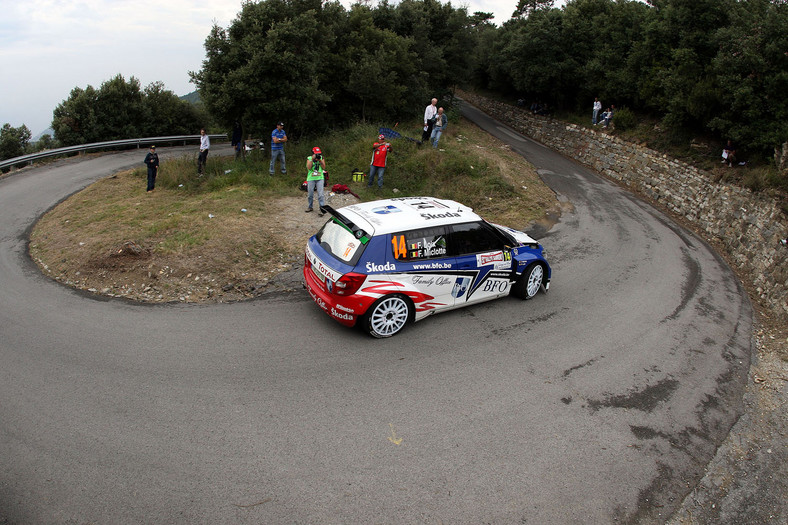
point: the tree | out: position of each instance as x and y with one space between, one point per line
526 7
45 142
119 109
13 141
264 67
74 119
751 76
166 114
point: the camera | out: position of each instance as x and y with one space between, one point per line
316 157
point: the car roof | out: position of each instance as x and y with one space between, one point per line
406 213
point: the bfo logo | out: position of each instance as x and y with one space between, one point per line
495 286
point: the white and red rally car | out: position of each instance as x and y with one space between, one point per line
385 263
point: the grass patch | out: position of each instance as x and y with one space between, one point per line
226 234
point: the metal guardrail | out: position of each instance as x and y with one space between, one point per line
100 145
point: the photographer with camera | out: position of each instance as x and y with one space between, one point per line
315 179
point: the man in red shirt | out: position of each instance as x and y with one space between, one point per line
380 150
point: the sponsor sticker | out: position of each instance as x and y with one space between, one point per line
460 287
383 210
376 268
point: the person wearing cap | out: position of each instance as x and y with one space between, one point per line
152 161
315 178
380 150
440 124
278 139
205 145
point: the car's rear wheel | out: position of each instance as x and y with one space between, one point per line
527 286
388 316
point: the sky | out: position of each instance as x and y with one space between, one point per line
49 47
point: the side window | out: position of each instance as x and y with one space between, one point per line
474 237
416 245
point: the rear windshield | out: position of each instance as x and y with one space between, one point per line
337 240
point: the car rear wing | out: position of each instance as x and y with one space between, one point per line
357 232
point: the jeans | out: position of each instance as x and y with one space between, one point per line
595 118
311 186
277 153
151 178
435 137
375 170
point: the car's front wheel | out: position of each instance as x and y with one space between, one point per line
388 316
527 286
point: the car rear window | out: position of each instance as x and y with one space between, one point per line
336 239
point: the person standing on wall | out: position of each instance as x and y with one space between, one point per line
205 145
152 161
380 150
429 119
278 139
315 179
597 109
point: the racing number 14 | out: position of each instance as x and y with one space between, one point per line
400 248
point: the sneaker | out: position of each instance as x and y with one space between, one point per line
308 210
784 242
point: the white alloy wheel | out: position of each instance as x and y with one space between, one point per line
527 286
388 316
535 276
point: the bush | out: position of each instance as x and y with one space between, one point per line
624 119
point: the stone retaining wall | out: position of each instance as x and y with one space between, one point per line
748 226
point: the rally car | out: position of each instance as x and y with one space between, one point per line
385 263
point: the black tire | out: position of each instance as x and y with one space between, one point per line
529 283
388 316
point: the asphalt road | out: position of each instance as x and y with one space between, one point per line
599 402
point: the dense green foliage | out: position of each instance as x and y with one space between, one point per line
315 65
701 66
13 141
712 67
120 110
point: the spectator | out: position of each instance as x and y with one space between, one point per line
202 158
237 141
152 161
729 154
278 139
429 119
607 116
315 179
440 125
597 109
381 150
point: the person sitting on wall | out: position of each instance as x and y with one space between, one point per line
729 154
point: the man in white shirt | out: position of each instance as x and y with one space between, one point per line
205 145
597 109
429 119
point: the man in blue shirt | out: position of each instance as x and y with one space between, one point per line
278 139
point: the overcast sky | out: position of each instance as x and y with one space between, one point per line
49 47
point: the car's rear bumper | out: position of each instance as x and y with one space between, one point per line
342 310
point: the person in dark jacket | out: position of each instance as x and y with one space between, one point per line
237 140
152 161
